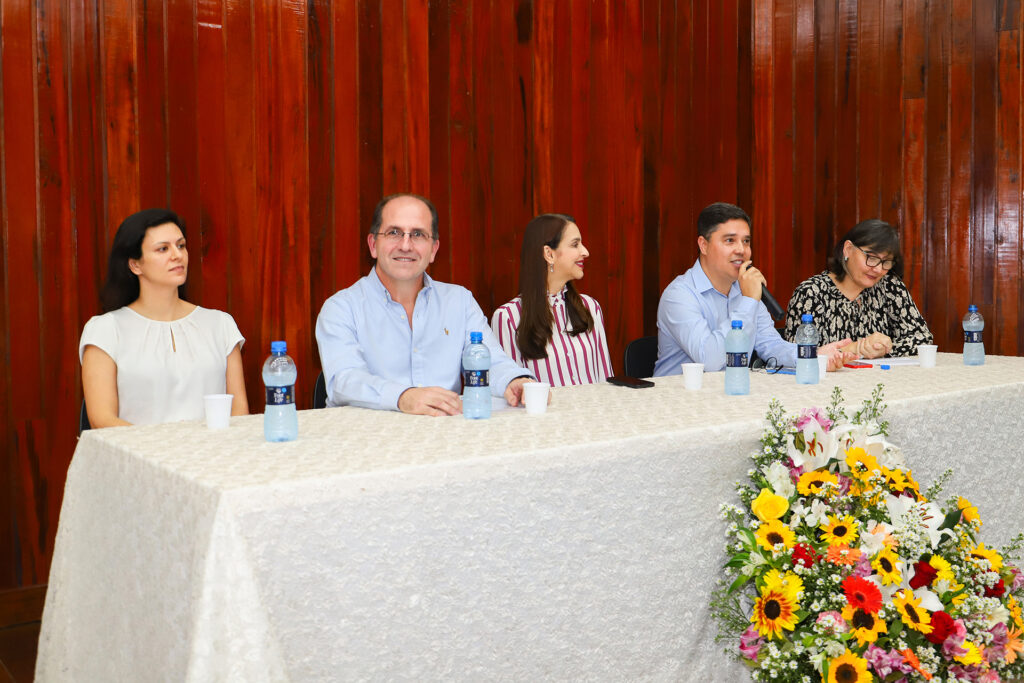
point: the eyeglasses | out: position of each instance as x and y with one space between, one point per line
397 235
870 260
769 365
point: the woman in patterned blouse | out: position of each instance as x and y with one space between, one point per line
862 296
550 328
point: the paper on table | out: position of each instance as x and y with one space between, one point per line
905 360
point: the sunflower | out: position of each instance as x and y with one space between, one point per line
848 668
911 612
861 463
768 535
862 594
840 531
811 483
774 611
943 567
788 583
969 513
983 553
887 564
865 626
894 479
910 484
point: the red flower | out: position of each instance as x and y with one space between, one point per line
942 628
924 574
996 591
804 554
862 594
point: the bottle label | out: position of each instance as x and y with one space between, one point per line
280 396
475 378
736 360
806 351
972 336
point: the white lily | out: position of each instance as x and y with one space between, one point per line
819 447
778 477
916 516
929 601
872 542
997 615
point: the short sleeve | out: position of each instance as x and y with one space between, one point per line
230 334
101 332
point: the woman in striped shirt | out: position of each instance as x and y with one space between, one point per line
550 328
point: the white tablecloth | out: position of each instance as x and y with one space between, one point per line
581 544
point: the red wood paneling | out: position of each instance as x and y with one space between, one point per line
274 128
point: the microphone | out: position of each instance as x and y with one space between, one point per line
774 309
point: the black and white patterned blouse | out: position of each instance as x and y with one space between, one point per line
886 307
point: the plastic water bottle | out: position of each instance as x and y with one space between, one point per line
737 370
974 348
476 386
280 421
807 351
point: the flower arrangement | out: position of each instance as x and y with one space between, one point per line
842 570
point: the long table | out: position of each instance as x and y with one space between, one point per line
581 544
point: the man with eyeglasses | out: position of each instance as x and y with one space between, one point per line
697 308
394 339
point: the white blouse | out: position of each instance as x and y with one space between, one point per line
580 359
164 368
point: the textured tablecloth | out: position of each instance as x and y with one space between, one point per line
582 544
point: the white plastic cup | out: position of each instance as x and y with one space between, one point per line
693 375
535 397
218 410
926 354
822 365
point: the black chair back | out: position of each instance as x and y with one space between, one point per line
640 356
320 392
83 420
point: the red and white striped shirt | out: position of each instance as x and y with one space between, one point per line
582 359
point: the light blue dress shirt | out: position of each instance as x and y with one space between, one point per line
370 355
694 317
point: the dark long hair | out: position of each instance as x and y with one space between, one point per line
534 331
871 235
122 285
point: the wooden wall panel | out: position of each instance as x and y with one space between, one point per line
274 128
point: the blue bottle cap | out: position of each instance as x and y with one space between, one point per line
476 337
806 318
737 324
972 308
884 367
278 347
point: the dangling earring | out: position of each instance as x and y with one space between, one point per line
845 259
551 267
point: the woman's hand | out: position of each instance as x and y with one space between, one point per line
875 345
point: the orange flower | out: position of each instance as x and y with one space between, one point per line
910 658
843 554
1014 644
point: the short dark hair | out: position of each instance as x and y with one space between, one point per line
871 235
379 211
122 285
715 214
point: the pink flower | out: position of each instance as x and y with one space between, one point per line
884 662
952 646
996 650
750 643
832 622
863 567
809 414
1018 578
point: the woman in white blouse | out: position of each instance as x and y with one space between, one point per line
550 328
152 356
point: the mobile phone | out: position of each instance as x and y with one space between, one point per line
855 365
631 382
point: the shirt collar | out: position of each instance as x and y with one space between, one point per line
379 287
557 296
702 283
